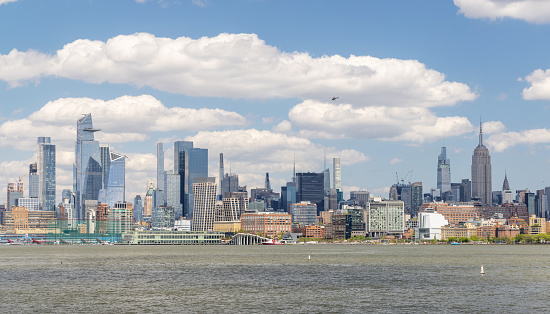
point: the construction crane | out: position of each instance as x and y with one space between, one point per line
402 179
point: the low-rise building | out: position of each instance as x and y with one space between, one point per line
266 223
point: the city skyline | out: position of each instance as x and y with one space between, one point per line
261 113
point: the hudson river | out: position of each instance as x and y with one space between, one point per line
263 279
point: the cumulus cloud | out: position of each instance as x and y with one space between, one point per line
237 66
332 121
501 141
540 85
251 151
533 11
124 119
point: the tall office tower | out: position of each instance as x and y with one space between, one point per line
160 166
466 190
46 173
148 202
337 173
530 202
416 197
116 183
326 189
15 192
221 174
267 183
189 163
105 155
204 191
290 195
547 193
230 183
455 189
310 187
87 170
443 171
33 180
481 173
172 191
507 195
540 204
138 208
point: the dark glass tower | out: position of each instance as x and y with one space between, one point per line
189 163
310 187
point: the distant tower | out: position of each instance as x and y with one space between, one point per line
337 173
33 180
46 173
443 171
220 185
116 183
160 166
481 172
267 183
505 185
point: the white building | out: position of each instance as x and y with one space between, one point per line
429 225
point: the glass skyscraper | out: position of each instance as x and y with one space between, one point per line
87 170
443 171
116 180
310 187
46 173
189 163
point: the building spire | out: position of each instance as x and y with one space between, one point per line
505 185
480 133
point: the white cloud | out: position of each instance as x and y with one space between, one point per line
331 121
396 161
540 85
123 119
199 3
237 66
491 127
249 152
534 11
6 1
501 141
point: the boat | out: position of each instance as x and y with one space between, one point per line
273 242
455 243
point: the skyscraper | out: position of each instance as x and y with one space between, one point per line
189 163
310 187
443 171
481 173
46 173
230 183
33 180
337 173
116 183
160 166
204 191
416 197
87 170
220 178
15 192
172 191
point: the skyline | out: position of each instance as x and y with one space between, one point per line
259 90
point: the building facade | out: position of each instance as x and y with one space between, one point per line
204 190
46 173
481 173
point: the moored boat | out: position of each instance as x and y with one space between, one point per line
273 242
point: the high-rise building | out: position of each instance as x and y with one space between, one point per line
204 191
46 173
148 201
481 173
505 184
466 190
362 197
310 187
172 192
160 166
230 183
304 213
138 208
416 197
384 218
443 171
105 156
33 180
267 182
15 192
221 178
189 163
87 170
116 182
540 204
337 173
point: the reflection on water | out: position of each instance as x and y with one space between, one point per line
338 278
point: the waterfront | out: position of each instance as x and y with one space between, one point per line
252 279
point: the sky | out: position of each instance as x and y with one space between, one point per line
255 80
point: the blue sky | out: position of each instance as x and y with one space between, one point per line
254 80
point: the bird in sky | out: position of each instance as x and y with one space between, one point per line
334 98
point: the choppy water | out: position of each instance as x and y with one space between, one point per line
261 279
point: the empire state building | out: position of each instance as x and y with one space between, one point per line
481 173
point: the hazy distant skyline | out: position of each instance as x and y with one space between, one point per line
254 80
